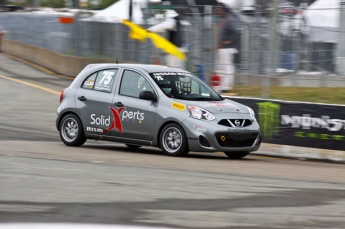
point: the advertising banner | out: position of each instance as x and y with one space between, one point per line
299 124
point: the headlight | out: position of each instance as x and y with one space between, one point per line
199 113
252 114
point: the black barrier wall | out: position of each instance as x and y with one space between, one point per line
299 124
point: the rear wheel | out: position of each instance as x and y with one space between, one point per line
71 131
132 146
173 140
236 155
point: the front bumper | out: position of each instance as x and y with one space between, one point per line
210 136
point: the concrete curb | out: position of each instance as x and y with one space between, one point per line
302 153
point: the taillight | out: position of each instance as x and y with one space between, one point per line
61 95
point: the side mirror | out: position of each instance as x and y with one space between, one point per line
147 95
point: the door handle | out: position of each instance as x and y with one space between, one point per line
82 98
118 104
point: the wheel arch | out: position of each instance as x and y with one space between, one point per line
67 113
162 127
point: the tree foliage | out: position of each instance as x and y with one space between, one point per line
106 3
53 3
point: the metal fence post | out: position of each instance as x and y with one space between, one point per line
273 51
197 42
76 37
341 40
207 53
244 63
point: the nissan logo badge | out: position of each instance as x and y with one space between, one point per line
237 123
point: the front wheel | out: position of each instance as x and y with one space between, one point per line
236 155
173 140
71 131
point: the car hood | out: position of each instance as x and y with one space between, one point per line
216 107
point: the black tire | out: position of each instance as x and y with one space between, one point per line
236 155
71 131
173 140
132 146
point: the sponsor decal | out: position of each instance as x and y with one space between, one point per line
94 129
102 121
117 120
269 118
132 116
89 83
171 74
215 104
238 129
335 137
151 107
307 122
199 128
160 75
178 106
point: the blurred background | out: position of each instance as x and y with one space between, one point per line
297 43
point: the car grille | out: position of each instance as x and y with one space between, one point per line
235 122
236 139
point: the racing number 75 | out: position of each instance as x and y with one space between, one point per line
107 76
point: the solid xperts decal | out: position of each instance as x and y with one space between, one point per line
116 120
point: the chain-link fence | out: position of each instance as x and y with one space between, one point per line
271 46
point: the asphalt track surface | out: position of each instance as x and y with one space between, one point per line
42 180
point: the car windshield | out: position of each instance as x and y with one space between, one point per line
184 85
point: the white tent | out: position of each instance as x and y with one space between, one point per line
323 17
323 13
120 10
239 5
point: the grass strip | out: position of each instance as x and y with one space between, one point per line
304 94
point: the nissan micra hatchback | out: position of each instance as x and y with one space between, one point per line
151 105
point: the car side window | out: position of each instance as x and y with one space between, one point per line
101 81
133 83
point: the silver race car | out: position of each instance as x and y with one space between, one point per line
151 105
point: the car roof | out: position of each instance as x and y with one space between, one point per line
146 67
